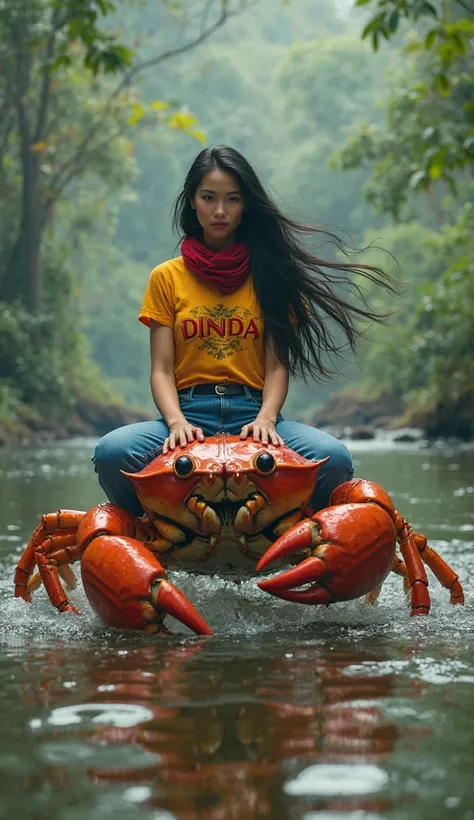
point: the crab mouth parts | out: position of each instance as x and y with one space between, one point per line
228 511
242 516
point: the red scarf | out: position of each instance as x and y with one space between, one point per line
226 270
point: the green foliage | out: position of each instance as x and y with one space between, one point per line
430 130
428 354
418 161
447 35
10 404
427 139
31 360
285 84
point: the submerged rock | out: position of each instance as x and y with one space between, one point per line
362 433
351 408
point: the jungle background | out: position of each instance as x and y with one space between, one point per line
358 116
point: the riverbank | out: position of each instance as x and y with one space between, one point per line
351 413
348 414
88 418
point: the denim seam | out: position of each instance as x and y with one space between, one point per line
150 455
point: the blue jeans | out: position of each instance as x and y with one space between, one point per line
132 447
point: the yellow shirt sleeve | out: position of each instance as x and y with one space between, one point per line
159 300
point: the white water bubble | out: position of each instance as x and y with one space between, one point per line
137 794
122 715
330 780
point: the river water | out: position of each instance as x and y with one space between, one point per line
288 712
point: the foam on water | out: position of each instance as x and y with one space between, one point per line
243 609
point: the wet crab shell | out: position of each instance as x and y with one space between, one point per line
226 473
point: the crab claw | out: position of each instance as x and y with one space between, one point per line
345 551
302 536
174 603
311 569
127 587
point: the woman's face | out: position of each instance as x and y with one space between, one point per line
219 206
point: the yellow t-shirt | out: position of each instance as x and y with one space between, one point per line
218 337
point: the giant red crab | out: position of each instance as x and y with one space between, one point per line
227 505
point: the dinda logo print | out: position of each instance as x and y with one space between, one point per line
221 329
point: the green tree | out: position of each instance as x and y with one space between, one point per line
41 42
430 120
425 151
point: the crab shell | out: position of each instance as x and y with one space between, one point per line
224 500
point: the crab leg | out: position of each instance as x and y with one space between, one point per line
442 571
61 550
420 597
53 585
399 568
62 522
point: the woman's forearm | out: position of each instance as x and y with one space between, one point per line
165 396
274 392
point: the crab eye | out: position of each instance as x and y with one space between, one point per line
265 463
183 467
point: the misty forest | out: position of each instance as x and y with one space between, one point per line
358 117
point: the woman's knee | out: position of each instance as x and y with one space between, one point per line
110 450
127 448
315 444
340 461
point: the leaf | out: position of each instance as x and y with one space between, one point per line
442 84
459 42
373 25
198 135
430 39
363 2
159 105
393 21
428 8
416 178
138 112
182 120
428 132
38 147
61 60
435 171
466 26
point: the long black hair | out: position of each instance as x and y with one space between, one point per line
297 292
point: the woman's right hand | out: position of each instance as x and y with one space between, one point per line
181 433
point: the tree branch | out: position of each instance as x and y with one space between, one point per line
46 84
466 7
226 14
78 167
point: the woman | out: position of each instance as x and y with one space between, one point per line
243 308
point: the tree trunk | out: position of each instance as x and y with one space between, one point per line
29 266
22 277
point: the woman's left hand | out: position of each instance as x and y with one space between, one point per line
263 430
